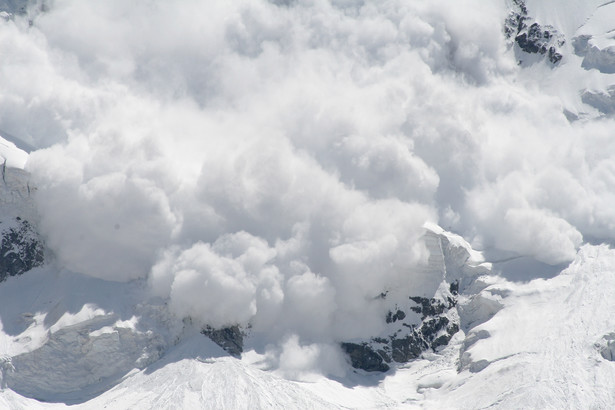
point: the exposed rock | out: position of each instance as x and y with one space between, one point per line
408 348
393 317
362 356
417 324
21 248
228 338
531 37
410 340
454 288
427 307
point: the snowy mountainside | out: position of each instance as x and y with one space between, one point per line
257 211
559 362
21 247
565 322
583 31
82 340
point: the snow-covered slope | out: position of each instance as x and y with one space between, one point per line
242 214
545 343
11 156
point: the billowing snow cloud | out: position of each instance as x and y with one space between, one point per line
274 162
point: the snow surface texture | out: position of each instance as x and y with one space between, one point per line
272 165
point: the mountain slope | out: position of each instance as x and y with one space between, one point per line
241 212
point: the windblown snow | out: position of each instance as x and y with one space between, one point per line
293 171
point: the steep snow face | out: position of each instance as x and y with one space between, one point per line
541 343
67 337
568 16
11 156
545 348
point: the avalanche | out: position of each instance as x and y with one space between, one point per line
292 204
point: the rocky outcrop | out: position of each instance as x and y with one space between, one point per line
530 36
418 324
21 248
229 338
437 324
362 356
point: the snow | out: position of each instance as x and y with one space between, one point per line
11 156
537 343
158 223
600 26
85 343
541 350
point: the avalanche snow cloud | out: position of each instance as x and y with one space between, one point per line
274 162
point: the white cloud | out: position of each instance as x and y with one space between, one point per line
274 164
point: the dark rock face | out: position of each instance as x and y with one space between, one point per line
530 36
393 317
21 249
228 338
363 357
410 340
427 307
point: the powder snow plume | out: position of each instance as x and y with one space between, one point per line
274 163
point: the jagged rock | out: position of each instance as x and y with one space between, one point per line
531 37
428 307
454 288
417 324
21 249
228 338
411 340
408 348
393 317
363 357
